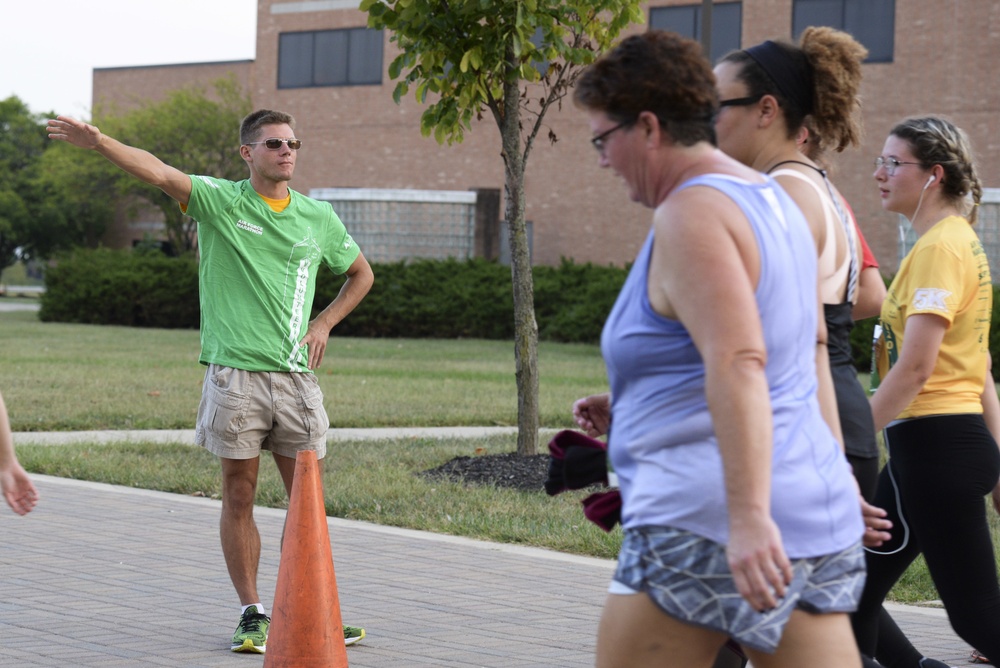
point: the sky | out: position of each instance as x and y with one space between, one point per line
49 49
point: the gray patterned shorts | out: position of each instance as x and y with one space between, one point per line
688 577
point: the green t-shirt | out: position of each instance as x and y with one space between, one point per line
257 274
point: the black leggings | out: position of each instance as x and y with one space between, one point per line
894 649
939 470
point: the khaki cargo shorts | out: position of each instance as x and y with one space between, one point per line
244 412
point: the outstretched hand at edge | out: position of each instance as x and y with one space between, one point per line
72 131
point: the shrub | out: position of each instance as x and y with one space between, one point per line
573 300
121 287
473 298
428 298
443 299
861 343
410 299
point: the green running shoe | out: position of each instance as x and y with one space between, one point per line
352 634
251 634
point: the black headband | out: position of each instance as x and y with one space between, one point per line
793 79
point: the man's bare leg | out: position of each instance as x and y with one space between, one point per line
237 529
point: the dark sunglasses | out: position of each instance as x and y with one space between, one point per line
275 144
740 101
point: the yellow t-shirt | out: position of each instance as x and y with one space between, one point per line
277 205
947 274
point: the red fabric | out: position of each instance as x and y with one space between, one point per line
604 509
867 257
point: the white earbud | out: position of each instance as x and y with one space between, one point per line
929 182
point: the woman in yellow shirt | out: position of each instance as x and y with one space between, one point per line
933 382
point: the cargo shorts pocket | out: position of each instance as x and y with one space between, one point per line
314 416
224 410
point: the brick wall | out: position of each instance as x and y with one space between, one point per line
355 136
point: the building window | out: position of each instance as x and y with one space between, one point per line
727 20
871 22
351 57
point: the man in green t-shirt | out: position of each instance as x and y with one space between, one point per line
261 245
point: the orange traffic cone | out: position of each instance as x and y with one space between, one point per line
306 627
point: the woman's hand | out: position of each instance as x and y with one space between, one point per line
593 414
876 526
760 567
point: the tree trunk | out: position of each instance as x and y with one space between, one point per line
706 28
525 326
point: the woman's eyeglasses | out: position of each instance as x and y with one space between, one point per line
891 164
599 140
274 144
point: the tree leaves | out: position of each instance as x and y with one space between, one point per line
466 56
462 47
191 129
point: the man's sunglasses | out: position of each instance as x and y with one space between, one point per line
275 144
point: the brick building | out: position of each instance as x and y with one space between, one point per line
316 60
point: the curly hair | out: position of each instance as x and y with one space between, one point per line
250 126
836 59
937 141
829 63
659 72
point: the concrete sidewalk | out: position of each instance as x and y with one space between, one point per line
101 575
187 435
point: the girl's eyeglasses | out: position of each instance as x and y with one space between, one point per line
891 164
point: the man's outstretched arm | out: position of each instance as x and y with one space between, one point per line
141 164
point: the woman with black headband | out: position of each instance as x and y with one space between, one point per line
767 93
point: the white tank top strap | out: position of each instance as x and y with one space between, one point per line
832 275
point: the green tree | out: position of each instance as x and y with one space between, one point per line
22 143
470 56
191 131
49 201
75 196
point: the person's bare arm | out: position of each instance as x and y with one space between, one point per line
921 343
699 275
16 486
359 281
871 294
141 164
826 393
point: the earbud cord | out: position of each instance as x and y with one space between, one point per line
919 203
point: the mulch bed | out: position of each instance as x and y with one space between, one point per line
508 470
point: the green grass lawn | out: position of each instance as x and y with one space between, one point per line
81 377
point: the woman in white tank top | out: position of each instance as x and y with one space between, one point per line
767 93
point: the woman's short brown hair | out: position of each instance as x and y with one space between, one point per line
659 72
